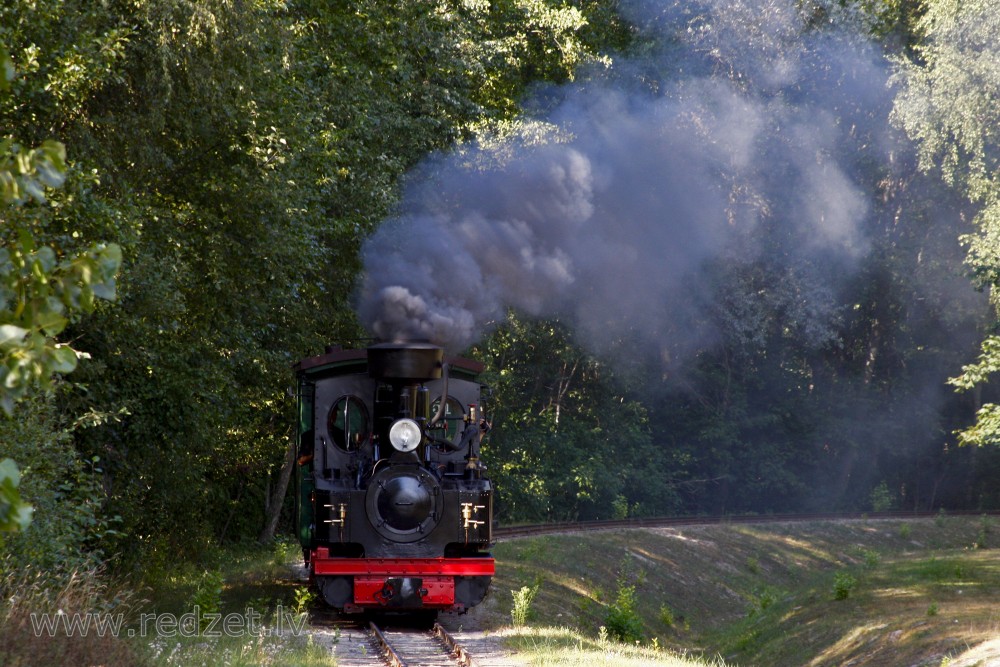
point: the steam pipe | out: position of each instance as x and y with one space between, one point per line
444 397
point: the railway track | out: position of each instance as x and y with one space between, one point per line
408 647
503 532
399 643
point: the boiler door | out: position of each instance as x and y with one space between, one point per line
403 503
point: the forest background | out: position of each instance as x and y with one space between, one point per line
189 186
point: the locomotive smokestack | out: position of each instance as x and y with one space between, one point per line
405 362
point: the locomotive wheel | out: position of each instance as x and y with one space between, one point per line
403 503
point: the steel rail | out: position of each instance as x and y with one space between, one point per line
526 530
458 651
390 654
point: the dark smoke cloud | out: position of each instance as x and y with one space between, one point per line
740 141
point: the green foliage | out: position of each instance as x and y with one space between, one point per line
25 173
843 584
38 294
69 522
207 597
985 528
882 500
666 616
622 618
760 599
871 558
904 530
14 514
520 613
238 154
305 598
568 442
946 103
28 593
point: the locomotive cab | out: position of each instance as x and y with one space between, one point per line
394 509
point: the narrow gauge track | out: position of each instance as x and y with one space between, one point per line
404 642
405 647
502 532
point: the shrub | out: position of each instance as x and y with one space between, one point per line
762 598
985 525
666 616
843 584
881 498
622 620
69 521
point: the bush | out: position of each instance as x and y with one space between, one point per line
69 520
622 620
760 599
843 584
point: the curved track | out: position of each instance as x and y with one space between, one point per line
504 532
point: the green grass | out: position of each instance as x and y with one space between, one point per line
259 651
235 583
796 594
822 593
557 647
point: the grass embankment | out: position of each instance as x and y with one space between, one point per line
240 592
887 592
917 592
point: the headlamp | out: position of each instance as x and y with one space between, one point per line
405 435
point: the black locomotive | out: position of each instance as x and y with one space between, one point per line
394 508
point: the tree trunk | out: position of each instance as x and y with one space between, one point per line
277 499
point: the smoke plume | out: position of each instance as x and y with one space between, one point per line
740 140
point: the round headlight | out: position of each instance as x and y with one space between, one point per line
405 435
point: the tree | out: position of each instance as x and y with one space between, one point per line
947 104
39 293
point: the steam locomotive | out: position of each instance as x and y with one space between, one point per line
394 509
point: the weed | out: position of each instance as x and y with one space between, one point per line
843 584
985 526
304 598
521 611
871 558
905 530
207 598
666 616
939 520
35 594
932 610
622 620
753 564
760 599
940 569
